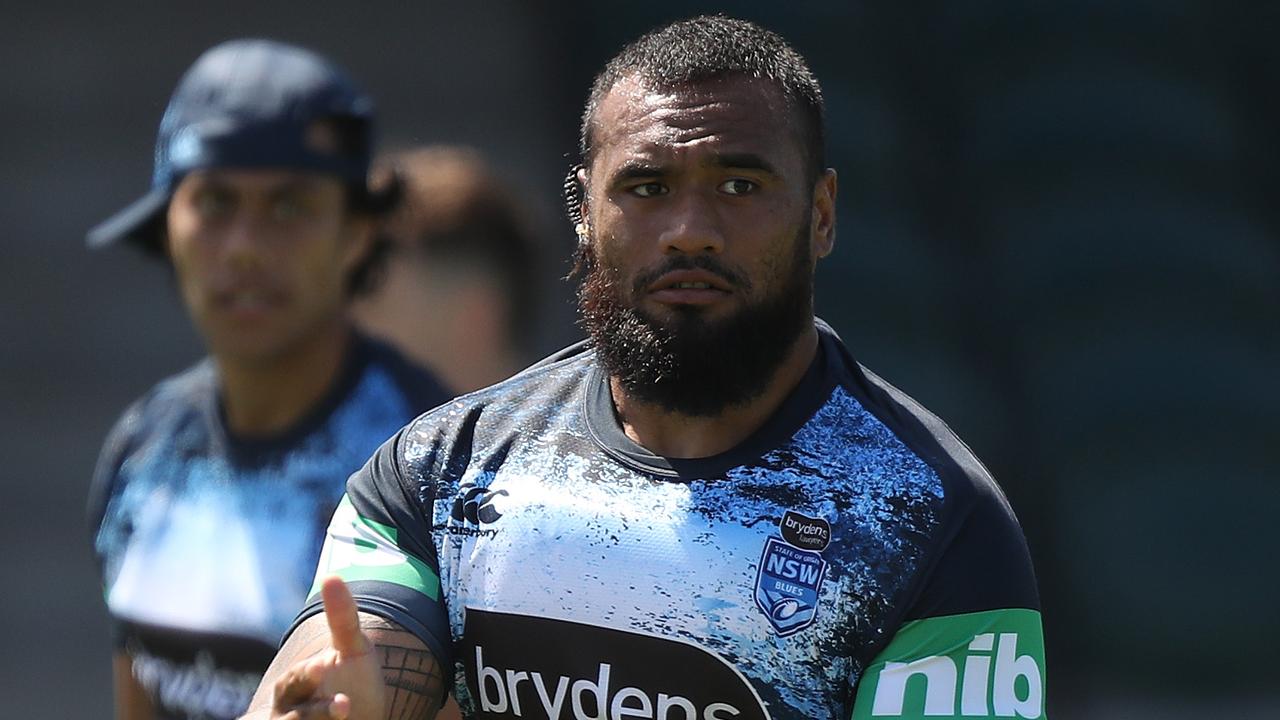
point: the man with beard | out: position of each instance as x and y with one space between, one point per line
709 510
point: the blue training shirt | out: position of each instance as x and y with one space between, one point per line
207 542
850 559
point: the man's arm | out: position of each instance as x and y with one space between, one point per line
350 665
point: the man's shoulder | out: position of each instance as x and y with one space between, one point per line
978 534
922 431
167 408
932 437
175 396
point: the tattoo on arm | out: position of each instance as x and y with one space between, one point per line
412 674
414 680
310 638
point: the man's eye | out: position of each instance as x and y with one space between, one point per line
649 190
213 203
737 186
286 209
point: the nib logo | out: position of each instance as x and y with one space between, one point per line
475 504
985 664
976 687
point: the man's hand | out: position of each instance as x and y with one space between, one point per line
350 666
343 682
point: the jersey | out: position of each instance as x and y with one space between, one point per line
207 541
850 559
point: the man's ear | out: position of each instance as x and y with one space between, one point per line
823 220
583 227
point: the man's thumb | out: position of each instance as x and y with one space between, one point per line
344 622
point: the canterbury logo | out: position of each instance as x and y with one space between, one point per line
475 504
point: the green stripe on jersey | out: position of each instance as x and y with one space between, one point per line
977 665
357 548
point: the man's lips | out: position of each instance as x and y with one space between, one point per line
689 287
247 299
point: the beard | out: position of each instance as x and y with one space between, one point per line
690 364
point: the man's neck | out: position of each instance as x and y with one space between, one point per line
263 397
675 435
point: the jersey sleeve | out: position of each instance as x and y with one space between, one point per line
379 542
115 449
971 645
106 474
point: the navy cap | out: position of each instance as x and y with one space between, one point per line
251 104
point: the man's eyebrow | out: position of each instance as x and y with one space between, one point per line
634 170
744 161
300 184
641 169
214 180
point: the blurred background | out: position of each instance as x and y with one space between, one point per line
1055 230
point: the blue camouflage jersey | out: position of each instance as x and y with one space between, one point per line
851 559
207 542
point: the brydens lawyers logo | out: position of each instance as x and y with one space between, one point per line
791 571
534 668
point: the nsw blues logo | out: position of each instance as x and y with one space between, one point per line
790 574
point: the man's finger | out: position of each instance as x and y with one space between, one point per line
298 684
344 622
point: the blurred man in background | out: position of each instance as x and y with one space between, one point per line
212 491
459 293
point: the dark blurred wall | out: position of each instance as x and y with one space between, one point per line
1057 229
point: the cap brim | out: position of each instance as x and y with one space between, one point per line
136 222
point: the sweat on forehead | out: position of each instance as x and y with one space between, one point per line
637 115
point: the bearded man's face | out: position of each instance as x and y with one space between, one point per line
688 360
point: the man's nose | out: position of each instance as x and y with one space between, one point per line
693 226
245 237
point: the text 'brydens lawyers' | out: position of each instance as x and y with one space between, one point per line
587 698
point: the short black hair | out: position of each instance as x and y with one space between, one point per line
710 47
376 198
